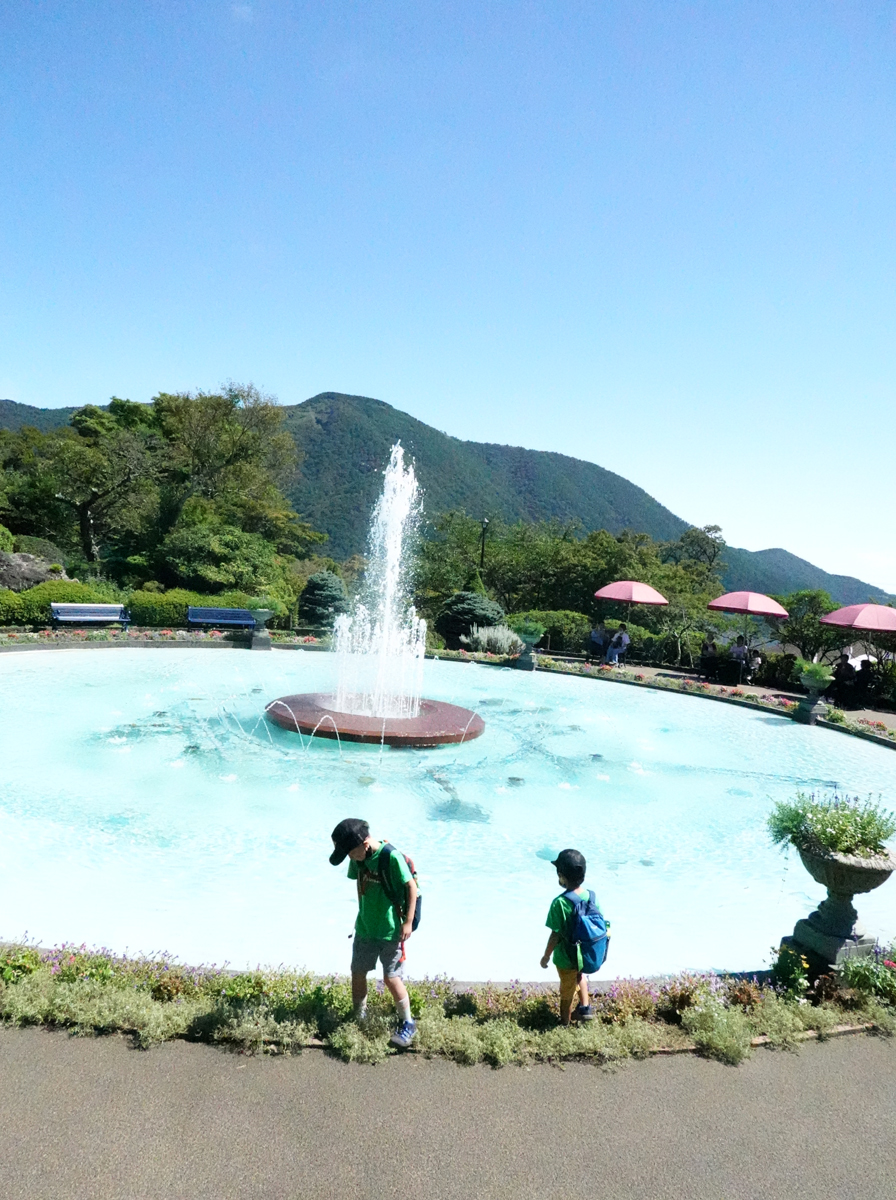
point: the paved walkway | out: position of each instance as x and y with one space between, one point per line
95 1120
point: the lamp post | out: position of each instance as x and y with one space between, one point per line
482 543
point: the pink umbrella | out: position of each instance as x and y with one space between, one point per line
752 604
875 618
630 592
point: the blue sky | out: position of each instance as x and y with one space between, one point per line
659 236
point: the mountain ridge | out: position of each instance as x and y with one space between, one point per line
345 442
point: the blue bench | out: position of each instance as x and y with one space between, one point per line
235 618
89 614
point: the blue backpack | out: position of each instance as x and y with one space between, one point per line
586 930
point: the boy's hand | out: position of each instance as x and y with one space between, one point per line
545 960
407 930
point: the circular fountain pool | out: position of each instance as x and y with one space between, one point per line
145 803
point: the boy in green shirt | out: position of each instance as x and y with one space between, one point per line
570 866
382 928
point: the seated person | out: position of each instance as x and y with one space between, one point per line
598 641
753 663
709 658
739 650
618 645
842 685
866 680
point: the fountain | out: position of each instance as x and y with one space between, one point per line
380 646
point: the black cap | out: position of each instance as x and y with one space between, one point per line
346 836
571 864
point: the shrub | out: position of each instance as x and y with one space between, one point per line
873 976
567 630
323 599
10 607
462 611
718 1032
837 824
18 961
40 548
34 603
162 609
790 971
777 671
6 540
492 639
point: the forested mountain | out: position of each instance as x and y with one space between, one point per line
15 416
345 441
344 444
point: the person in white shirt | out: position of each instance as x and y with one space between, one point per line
618 645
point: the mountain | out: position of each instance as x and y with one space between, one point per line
346 440
15 416
779 571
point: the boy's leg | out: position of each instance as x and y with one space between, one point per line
363 962
584 995
392 958
359 992
569 984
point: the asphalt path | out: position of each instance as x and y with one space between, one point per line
96 1119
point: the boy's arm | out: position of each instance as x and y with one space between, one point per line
406 929
549 949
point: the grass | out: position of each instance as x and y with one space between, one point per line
92 992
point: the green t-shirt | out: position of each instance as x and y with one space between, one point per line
377 918
558 919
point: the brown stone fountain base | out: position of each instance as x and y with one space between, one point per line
436 725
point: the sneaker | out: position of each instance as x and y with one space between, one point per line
583 1012
404 1034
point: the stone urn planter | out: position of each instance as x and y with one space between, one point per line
833 933
527 660
812 707
261 639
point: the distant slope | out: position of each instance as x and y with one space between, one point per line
779 571
15 416
346 442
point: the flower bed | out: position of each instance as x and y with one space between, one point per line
280 1012
25 637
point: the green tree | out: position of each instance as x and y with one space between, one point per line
462 611
322 600
804 630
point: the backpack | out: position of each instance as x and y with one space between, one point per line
586 930
386 852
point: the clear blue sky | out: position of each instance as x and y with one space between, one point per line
659 236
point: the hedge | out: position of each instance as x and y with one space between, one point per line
567 630
163 609
32 607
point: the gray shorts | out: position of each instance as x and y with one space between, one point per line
366 951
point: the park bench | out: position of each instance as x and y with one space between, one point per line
234 618
89 614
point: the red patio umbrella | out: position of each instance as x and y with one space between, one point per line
629 591
752 604
871 618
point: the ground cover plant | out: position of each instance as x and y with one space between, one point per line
152 1000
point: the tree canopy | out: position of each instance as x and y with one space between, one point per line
186 490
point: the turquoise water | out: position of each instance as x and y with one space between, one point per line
146 804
